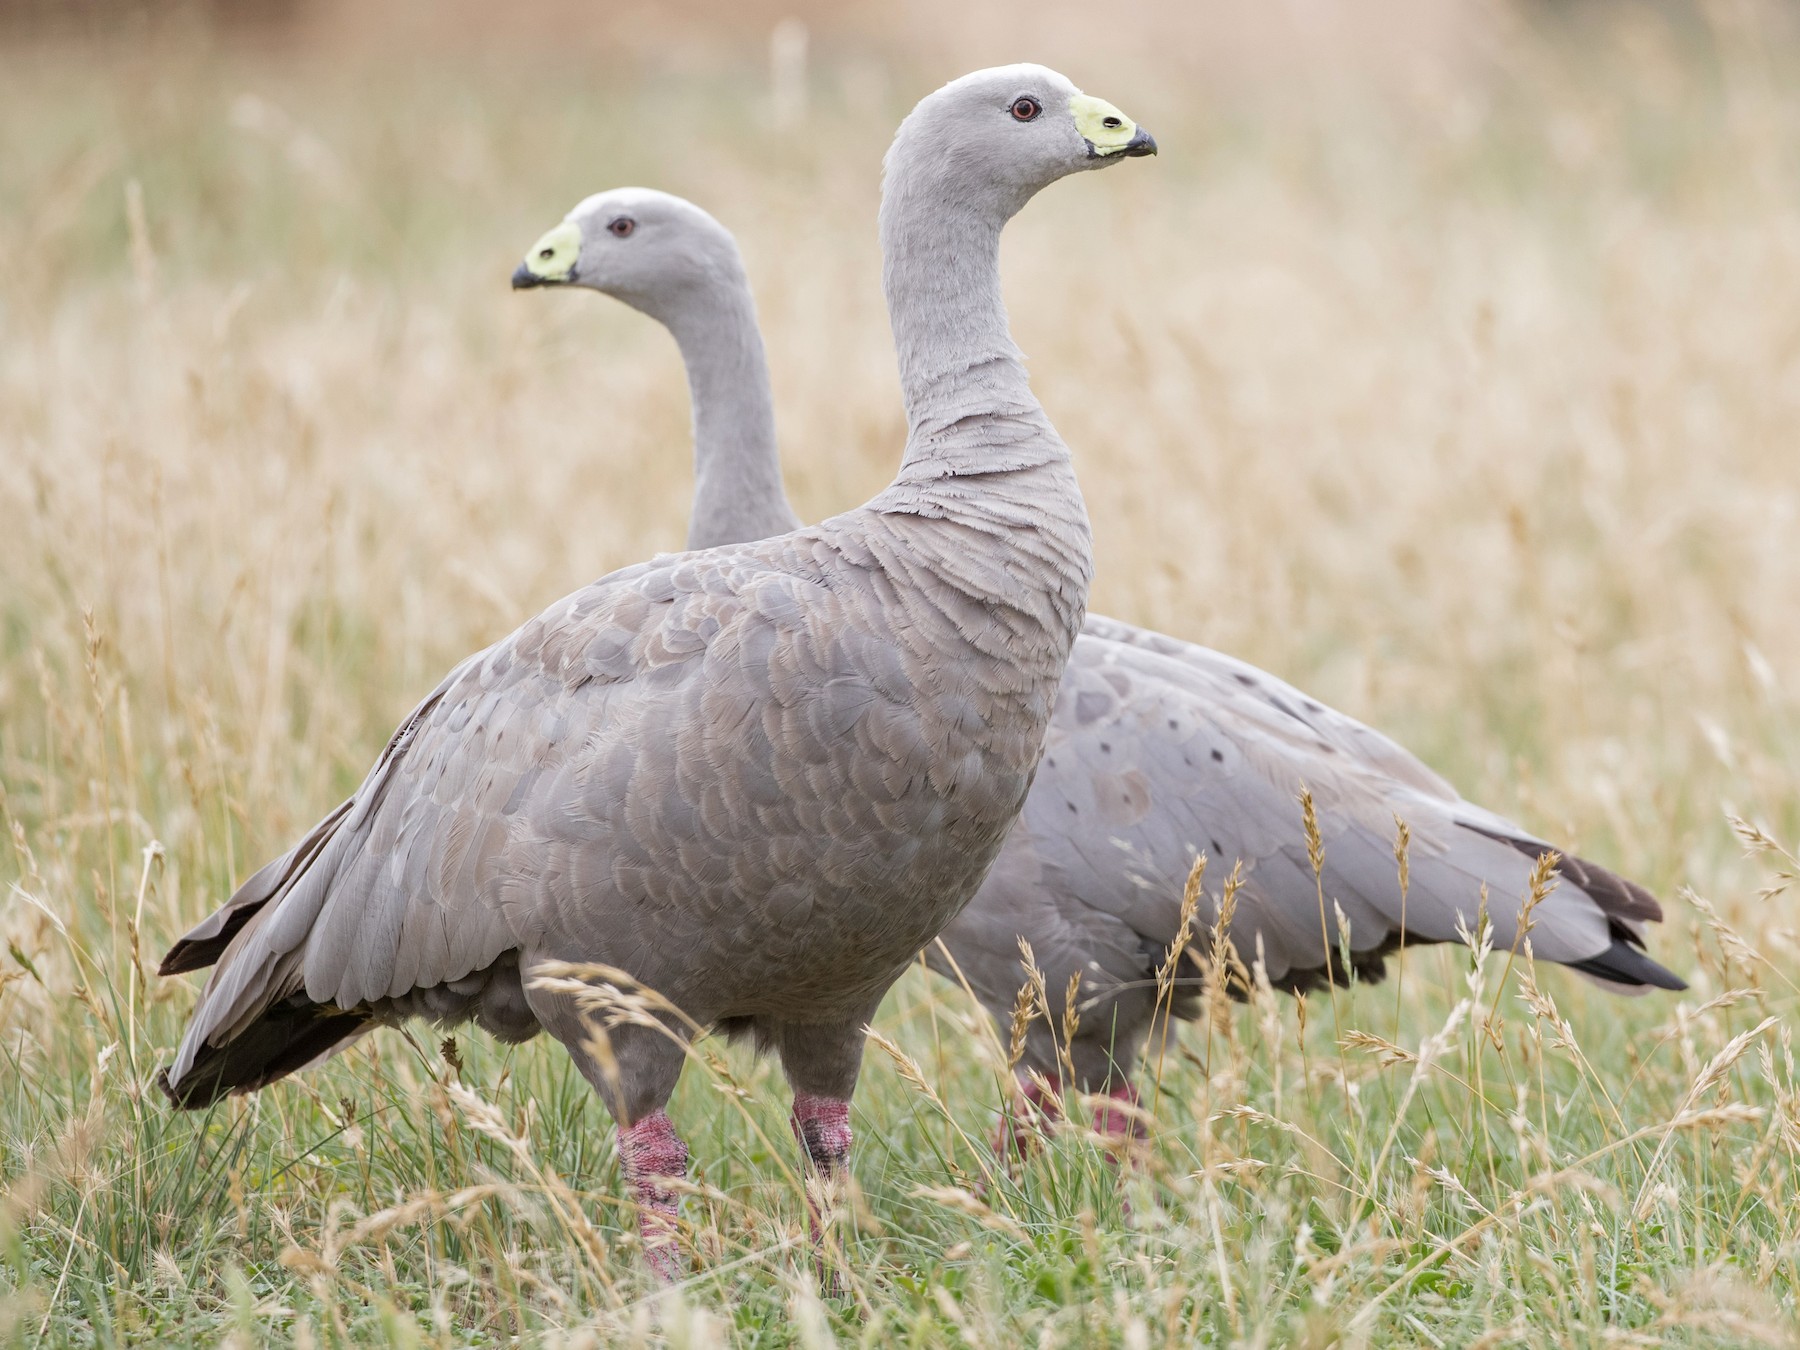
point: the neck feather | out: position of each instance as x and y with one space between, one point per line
980 453
738 494
961 374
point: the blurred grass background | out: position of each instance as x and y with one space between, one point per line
1446 362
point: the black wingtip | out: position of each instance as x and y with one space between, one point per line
183 957
287 1037
1623 963
206 944
187 1097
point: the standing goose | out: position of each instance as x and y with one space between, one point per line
1158 749
759 778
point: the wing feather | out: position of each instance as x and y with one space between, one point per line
1161 750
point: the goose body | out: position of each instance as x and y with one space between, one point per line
715 771
757 778
1158 750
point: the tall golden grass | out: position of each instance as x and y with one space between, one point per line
1446 363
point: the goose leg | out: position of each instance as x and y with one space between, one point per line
1038 1106
1026 1119
652 1155
634 1070
1117 1119
822 1125
822 1063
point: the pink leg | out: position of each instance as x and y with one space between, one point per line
1024 1121
1038 1107
822 1125
1120 1123
652 1154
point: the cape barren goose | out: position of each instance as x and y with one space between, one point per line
1158 749
759 778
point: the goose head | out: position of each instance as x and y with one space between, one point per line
646 248
986 143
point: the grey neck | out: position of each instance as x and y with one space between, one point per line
738 494
961 374
980 453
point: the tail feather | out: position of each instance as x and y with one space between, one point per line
1626 905
253 1023
1624 963
288 1036
1617 896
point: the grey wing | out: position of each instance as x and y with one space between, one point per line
408 885
203 944
1160 751
1028 895
1213 669
1362 781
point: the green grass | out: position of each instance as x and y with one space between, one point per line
1468 401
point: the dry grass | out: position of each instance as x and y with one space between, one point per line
1463 390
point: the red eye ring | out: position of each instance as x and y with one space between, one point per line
623 226
1026 109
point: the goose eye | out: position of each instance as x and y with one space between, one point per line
1026 109
623 226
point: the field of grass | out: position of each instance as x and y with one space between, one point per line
1462 390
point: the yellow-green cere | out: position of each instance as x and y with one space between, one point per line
1106 128
553 257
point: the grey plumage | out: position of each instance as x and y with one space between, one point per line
1158 750
758 778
